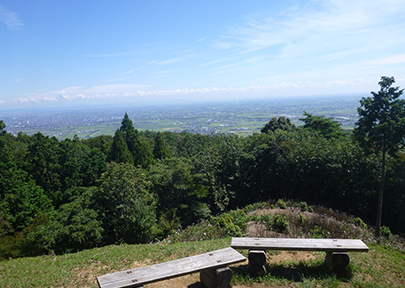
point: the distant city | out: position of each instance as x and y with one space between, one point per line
241 117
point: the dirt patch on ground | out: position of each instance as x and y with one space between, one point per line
291 256
254 230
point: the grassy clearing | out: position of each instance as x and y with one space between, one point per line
383 266
81 269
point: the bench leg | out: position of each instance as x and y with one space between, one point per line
217 278
339 262
257 260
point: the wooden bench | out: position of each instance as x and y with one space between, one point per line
336 251
213 268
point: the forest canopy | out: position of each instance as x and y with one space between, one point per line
139 186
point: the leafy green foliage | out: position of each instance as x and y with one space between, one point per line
48 203
360 223
181 194
267 220
281 204
325 126
318 232
381 123
381 126
160 150
125 205
281 224
234 222
385 231
281 123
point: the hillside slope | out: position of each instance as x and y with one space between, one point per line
383 266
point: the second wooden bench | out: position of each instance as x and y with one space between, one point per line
336 250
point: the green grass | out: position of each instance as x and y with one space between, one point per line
81 269
382 266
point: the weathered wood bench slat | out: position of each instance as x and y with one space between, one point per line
162 271
301 244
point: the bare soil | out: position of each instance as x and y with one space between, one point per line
255 230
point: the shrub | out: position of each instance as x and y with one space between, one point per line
254 217
302 219
303 206
248 208
281 204
266 220
234 222
359 223
385 231
318 232
281 224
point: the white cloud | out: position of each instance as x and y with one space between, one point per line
10 19
130 92
202 39
324 27
396 59
128 72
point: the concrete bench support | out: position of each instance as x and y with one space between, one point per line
217 278
338 261
257 260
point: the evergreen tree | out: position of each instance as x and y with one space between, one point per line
160 150
381 126
325 126
43 164
119 151
280 123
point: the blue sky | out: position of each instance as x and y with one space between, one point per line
58 53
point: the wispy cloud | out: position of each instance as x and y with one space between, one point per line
323 26
396 59
139 68
177 59
116 54
128 72
132 92
202 39
9 18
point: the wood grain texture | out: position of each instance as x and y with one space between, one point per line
300 244
162 271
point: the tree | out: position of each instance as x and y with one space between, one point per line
381 127
280 123
2 128
43 166
125 205
160 150
127 146
325 126
119 151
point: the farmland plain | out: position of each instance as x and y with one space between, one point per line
239 117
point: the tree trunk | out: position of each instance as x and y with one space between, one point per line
380 197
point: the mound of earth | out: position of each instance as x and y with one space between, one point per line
193 280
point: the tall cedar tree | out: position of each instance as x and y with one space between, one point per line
381 127
127 146
119 150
